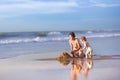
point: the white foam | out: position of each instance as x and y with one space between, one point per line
89 32
36 39
57 38
104 35
54 33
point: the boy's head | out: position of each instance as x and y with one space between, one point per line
83 38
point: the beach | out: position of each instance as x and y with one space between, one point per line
33 57
27 67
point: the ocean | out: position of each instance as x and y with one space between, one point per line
14 44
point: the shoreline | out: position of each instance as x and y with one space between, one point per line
111 57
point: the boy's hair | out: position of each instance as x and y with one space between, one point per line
72 34
83 38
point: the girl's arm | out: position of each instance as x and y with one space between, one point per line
71 47
84 44
78 46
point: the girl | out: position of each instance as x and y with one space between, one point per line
86 47
74 45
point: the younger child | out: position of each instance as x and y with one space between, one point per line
86 47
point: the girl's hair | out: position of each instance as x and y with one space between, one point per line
83 38
72 34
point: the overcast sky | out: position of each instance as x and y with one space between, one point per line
58 15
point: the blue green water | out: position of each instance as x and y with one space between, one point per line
12 44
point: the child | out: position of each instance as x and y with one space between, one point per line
86 47
74 45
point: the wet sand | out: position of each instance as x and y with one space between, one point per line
37 67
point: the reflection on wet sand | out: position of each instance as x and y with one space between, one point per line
80 66
88 65
76 68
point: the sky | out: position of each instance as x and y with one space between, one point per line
58 15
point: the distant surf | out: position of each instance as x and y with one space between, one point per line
25 37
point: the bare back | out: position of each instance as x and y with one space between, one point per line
74 44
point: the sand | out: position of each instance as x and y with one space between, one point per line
39 67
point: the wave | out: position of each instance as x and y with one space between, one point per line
37 39
54 33
89 32
26 37
41 34
29 34
45 34
103 35
2 35
7 35
49 39
16 41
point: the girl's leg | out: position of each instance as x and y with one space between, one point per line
86 54
81 54
90 54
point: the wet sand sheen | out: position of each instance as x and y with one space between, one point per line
35 68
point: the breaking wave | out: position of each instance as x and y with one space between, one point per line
37 39
104 35
54 33
27 37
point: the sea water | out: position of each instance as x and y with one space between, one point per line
14 44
